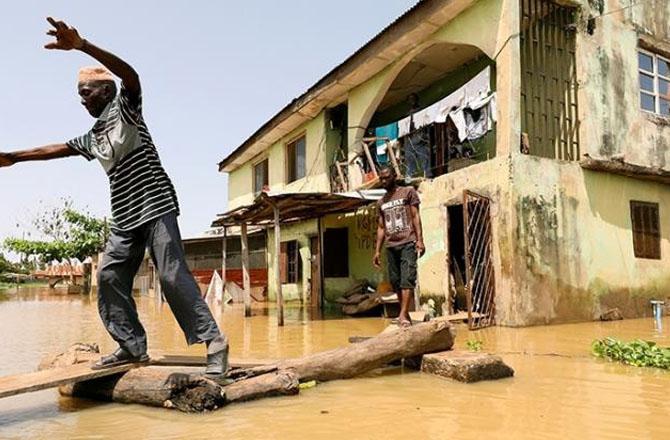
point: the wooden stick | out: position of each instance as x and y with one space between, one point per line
394 160
278 286
369 156
246 281
224 256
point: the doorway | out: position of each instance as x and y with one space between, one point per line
470 265
456 260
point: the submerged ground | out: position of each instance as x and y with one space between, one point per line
560 390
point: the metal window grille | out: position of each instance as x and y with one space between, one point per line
480 282
549 80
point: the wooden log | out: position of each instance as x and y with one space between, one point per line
187 390
355 359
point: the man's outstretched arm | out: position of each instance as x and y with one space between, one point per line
67 38
46 152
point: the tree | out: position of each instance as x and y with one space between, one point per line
7 266
68 234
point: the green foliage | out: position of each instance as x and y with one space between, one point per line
69 234
7 266
638 353
474 345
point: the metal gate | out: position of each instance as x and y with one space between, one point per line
480 281
549 79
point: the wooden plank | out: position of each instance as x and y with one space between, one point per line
177 360
366 149
41 380
394 160
344 184
462 316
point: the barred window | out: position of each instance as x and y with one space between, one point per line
654 72
646 230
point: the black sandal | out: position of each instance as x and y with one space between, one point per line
119 357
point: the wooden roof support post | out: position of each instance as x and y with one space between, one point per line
224 256
277 275
246 281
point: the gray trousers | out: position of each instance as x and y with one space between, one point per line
123 255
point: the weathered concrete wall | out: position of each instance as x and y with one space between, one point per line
574 252
489 179
612 122
573 244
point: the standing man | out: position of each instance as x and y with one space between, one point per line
144 208
399 226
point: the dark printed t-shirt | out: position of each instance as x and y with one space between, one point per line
395 210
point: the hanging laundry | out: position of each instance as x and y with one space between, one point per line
385 134
476 118
389 131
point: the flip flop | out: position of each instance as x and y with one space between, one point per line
119 357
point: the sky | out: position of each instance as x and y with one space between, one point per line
211 72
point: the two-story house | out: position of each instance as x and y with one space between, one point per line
537 133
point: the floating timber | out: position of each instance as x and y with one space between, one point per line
186 389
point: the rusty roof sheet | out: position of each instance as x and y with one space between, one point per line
293 207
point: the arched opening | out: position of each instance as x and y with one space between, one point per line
437 116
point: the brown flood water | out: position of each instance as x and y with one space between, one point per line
559 390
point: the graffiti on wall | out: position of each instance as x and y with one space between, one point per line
366 228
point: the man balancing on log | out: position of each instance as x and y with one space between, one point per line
144 208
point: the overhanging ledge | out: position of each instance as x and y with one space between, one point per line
295 207
626 169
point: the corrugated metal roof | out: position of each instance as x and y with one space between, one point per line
294 207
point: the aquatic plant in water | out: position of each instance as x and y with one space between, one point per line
638 353
474 345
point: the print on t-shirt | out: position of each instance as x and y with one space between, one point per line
395 210
395 217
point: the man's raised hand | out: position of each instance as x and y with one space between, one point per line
6 160
67 38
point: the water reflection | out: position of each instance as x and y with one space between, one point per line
559 391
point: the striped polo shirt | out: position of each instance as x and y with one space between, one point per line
140 188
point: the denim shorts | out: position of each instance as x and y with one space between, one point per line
401 262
